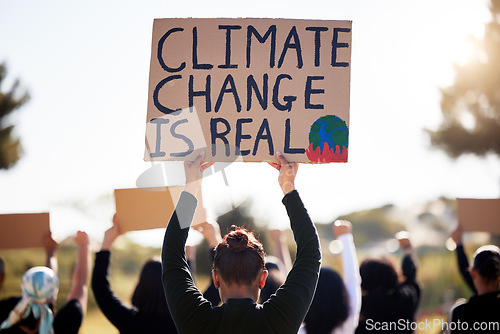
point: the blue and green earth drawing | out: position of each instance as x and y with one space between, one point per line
328 140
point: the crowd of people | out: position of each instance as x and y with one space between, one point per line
34 312
249 291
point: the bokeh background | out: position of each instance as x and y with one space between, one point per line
417 67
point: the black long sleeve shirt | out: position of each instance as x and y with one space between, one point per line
391 311
126 319
282 313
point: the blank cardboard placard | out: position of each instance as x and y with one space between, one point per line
23 230
479 215
149 208
242 89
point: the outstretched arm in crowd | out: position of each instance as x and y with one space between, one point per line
409 287
50 246
79 287
282 253
183 298
211 233
119 314
111 235
408 266
291 302
351 276
462 261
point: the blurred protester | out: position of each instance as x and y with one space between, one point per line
149 312
462 261
277 265
34 311
2 273
275 278
336 304
389 301
239 269
281 249
482 309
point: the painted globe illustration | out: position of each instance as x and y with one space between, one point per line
328 140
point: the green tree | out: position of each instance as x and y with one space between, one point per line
471 106
10 100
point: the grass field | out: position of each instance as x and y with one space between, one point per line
95 322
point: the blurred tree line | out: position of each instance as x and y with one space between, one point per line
471 106
10 100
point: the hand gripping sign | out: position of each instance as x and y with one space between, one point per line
242 89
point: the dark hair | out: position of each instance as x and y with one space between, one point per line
378 274
330 306
239 257
148 295
487 262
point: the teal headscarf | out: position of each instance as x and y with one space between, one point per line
40 287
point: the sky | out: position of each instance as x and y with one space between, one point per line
86 67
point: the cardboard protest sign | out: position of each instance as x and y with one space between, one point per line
479 215
149 208
23 230
242 89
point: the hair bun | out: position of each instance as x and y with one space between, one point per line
237 241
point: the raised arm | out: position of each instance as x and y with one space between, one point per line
462 261
79 287
409 289
350 267
118 313
287 173
183 298
408 265
50 246
281 252
288 307
111 235
211 233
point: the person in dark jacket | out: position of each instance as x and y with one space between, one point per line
239 269
389 301
34 312
149 312
2 273
462 261
482 312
